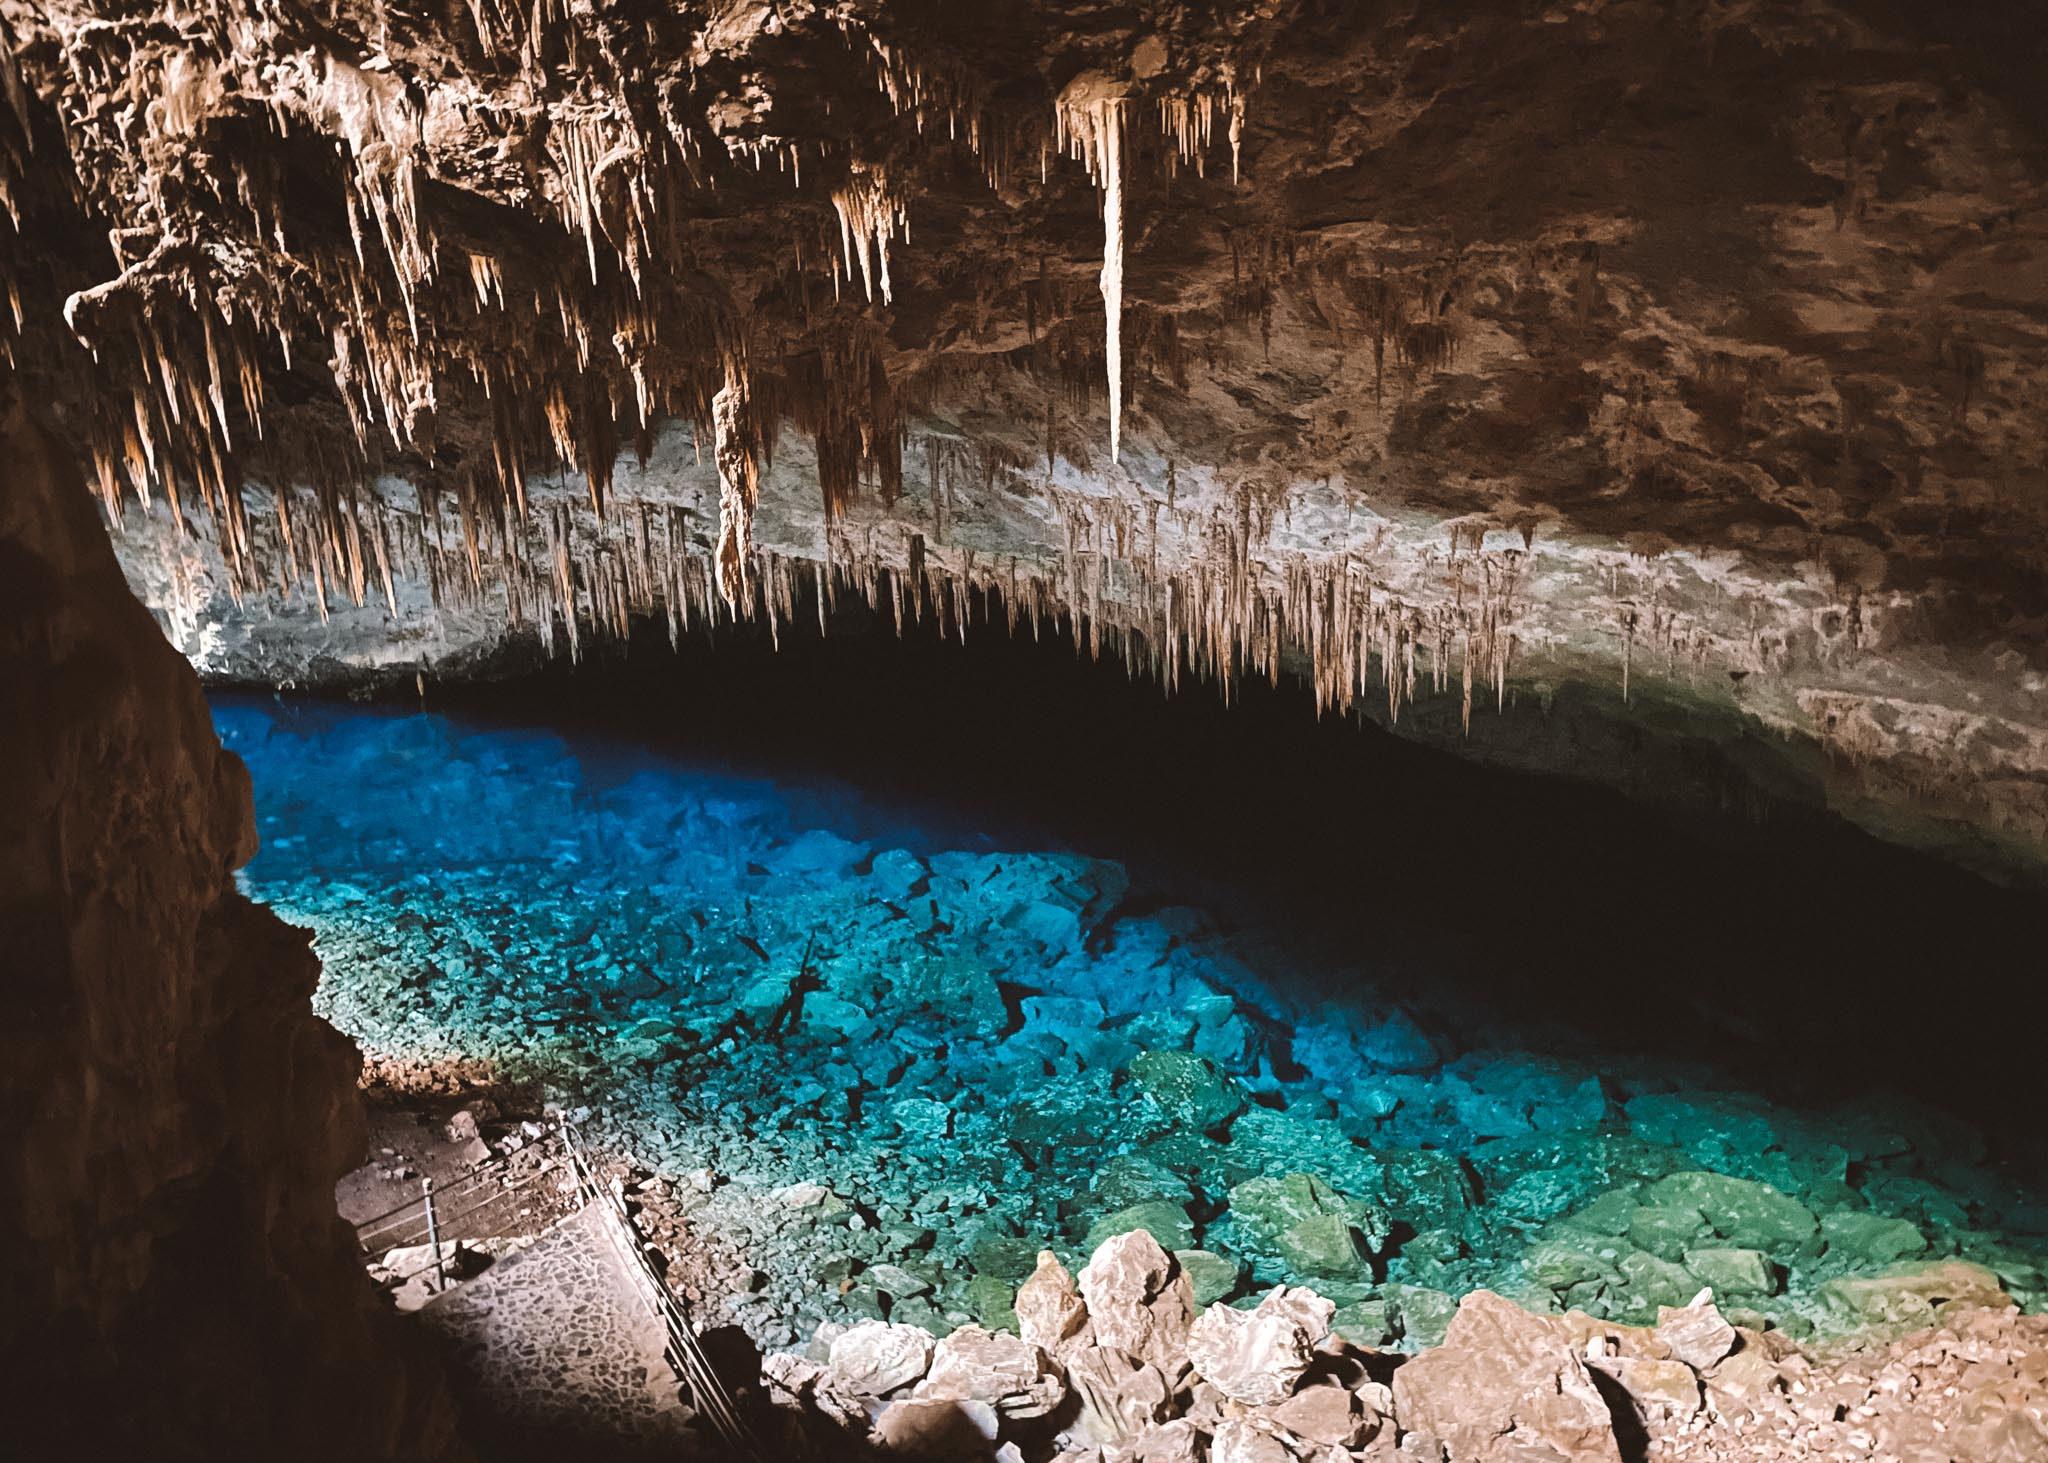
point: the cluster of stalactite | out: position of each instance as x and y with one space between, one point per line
407 311
1176 593
552 319
869 217
462 347
1220 608
1677 643
1322 618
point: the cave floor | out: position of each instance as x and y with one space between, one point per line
869 1067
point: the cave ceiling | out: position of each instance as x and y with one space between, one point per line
1447 356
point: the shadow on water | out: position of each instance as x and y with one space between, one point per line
1804 957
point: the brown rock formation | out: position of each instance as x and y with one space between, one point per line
176 1282
1504 1384
1441 355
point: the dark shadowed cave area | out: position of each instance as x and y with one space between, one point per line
1030 732
1545 899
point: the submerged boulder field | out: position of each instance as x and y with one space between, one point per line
1508 371
939 1126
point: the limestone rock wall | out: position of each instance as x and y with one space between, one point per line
175 1280
1449 356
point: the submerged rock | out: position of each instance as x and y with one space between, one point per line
1009 1257
1363 1323
1560 1264
1914 1295
1128 1179
1654 1283
1307 1222
992 1302
922 1120
1872 1238
1212 1276
1056 1115
818 852
962 989
1166 1222
896 1282
1667 1230
1732 1271
1397 1044
1746 1213
1322 1245
1427 1190
1424 1313
1188 1089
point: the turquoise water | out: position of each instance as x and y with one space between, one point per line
890 1057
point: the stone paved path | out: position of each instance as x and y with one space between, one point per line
553 1348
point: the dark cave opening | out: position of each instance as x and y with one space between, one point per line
1770 939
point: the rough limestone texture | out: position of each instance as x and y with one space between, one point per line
1696 1334
1256 1356
1273 1385
876 1358
1017 1378
1504 1383
1050 1311
1118 1396
1683 365
1138 1299
175 1281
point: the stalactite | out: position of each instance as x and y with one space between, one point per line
1236 133
1629 621
868 218
1090 115
738 483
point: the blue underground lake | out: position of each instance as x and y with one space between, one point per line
888 1053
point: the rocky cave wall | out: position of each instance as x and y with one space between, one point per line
176 1281
1450 358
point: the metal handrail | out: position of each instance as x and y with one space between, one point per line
684 1351
433 1211
382 1221
412 1211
